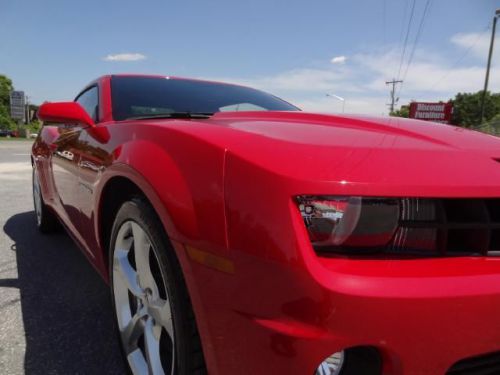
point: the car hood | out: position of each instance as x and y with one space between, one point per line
362 151
319 130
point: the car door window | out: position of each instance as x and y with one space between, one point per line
89 100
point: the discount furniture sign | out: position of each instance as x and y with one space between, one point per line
437 112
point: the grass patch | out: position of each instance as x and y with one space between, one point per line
16 139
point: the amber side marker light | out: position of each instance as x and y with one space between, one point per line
210 260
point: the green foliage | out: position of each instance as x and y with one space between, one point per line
5 121
404 111
35 126
5 88
467 108
491 127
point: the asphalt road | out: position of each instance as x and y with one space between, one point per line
55 311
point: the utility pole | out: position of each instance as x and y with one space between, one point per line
488 66
27 110
393 93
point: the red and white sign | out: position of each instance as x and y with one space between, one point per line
436 112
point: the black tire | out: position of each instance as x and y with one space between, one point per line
189 358
45 219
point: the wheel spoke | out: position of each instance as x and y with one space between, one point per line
160 311
137 362
142 247
124 269
152 346
132 331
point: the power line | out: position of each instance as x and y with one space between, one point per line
384 25
417 38
406 38
459 60
403 22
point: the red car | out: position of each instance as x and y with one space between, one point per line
240 235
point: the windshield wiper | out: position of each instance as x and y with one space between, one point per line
174 115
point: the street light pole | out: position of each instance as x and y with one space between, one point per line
338 98
488 66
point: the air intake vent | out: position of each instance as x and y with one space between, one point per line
449 226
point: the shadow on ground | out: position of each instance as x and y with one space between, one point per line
65 304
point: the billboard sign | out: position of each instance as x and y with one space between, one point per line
17 105
436 112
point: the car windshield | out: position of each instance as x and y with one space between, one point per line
135 97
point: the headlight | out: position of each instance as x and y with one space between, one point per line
402 226
343 223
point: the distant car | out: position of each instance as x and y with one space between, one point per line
274 241
4 133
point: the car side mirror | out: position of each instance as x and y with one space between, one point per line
64 113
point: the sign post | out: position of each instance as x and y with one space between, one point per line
17 107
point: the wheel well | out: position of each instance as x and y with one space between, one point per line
117 191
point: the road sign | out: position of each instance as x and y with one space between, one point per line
17 105
436 112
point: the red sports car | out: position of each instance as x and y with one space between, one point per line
240 235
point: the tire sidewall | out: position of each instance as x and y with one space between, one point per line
48 222
141 213
35 180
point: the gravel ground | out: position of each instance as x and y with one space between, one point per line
55 311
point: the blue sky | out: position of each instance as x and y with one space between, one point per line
52 48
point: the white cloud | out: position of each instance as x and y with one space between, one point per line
478 43
358 104
338 60
301 80
432 76
125 57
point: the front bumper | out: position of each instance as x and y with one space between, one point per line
423 315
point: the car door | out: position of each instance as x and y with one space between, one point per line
67 149
93 163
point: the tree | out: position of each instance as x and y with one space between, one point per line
491 127
467 108
404 111
5 89
5 120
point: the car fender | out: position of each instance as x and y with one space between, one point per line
172 197
166 190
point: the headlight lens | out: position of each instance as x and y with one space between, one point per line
345 223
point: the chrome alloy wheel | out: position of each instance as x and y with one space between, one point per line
37 198
142 303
